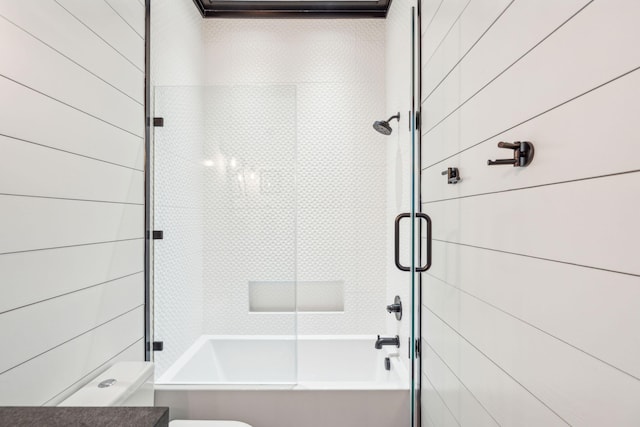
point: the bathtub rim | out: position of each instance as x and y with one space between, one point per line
162 383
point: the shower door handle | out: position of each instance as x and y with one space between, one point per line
397 242
419 215
428 263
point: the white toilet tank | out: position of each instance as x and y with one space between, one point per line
123 384
130 384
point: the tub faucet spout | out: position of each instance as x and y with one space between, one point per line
387 341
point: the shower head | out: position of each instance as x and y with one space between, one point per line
383 126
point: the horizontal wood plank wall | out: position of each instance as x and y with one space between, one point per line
530 311
71 193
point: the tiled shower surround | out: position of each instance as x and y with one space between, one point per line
295 102
292 177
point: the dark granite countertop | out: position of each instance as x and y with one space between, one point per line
81 417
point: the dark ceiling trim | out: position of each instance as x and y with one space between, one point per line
292 9
199 6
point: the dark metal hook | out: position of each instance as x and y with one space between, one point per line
522 154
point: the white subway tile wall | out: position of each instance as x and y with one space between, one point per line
72 194
528 311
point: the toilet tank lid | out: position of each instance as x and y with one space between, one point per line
113 386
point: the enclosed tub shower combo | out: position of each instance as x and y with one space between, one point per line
287 242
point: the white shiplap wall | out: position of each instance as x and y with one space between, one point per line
71 193
530 309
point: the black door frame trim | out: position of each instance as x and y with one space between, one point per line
148 241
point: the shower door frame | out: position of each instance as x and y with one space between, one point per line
148 188
416 70
418 128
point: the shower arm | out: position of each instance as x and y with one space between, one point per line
397 117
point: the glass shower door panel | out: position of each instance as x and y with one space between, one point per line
225 275
250 224
177 178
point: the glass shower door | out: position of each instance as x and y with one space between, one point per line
225 272
418 244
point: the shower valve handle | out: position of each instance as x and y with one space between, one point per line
394 308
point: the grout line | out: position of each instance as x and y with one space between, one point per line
539 258
508 190
465 54
70 246
494 363
535 116
70 199
71 339
73 61
441 398
125 21
509 67
94 370
98 35
71 292
70 106
447 34
70 152
461 382
536 327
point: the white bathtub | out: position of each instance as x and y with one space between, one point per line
278 381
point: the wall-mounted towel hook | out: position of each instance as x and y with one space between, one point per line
522 154
453 175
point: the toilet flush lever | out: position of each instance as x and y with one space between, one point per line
522 154
107 383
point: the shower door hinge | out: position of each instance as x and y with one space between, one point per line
156 346
156 234
416 348
416 120
158 122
